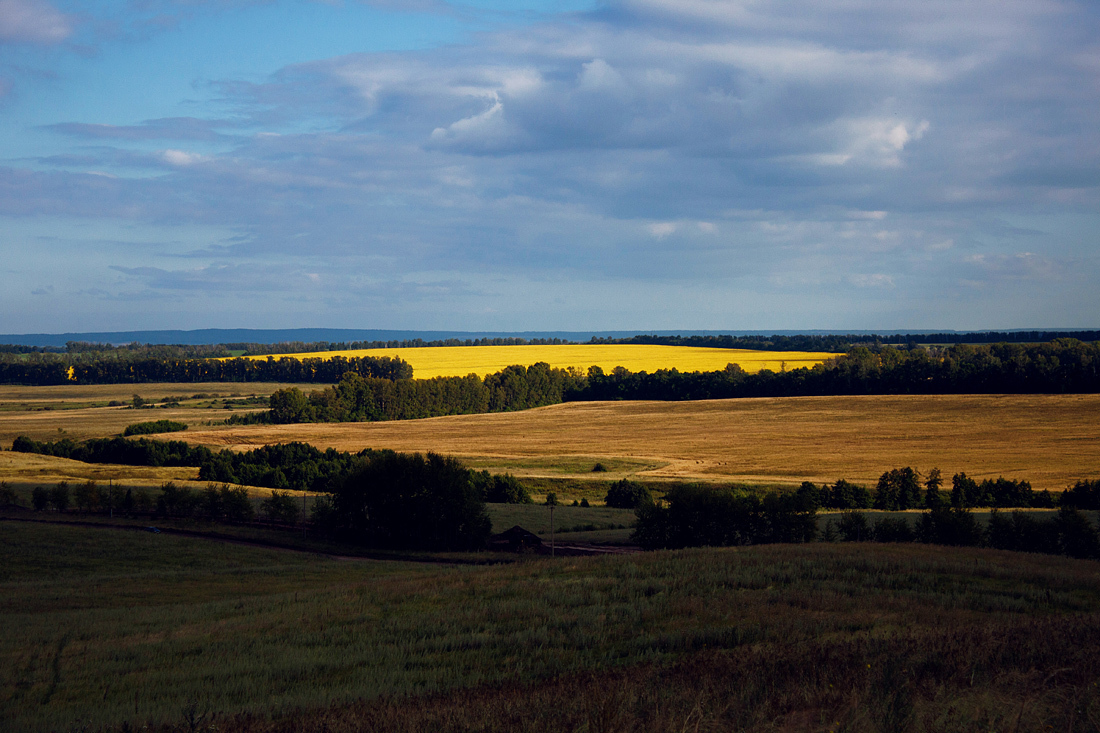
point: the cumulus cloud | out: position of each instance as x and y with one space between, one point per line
33 21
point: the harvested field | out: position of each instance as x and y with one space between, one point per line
1050 440
458 361
83 411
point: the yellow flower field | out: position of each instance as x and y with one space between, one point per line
458 361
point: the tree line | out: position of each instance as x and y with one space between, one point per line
46 369
373 498
358 399
1060 366
285 466
844 342
693 516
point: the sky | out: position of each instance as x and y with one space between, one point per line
549 164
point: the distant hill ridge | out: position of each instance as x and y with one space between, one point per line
205 336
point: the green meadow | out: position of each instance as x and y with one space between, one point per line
116 630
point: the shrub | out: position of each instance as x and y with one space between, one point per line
40 498
950 526
893 529
626 494
501 488
1076 535
235 503
280 508
87 497
155 426
853 527
844 495
8 497
59 496
176 501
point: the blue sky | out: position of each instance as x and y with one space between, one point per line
557 165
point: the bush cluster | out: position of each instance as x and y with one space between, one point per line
152 427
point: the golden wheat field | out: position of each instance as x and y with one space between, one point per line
458 361
1050 440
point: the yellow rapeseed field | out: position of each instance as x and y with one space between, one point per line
458 361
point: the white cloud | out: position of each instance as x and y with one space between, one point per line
33 21
180 158
661 229
598 76
876 280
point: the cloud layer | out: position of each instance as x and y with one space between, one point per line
698 163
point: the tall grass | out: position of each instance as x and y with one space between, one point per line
109 628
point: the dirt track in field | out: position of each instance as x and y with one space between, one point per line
1051 440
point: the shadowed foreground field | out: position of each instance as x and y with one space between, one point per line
118 630
1050 440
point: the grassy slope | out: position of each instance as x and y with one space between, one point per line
110 627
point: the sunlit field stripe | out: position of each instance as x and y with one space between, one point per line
458 361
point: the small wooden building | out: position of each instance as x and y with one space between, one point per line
516 539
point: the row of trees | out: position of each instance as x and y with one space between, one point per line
356 399
285 466
1061 366
140 452
692 516
215 503
1068 532
843 342
698 516
66 369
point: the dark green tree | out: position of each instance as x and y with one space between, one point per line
627 494
409 501
40 498
932 496
59 496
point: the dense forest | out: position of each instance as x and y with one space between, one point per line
1062 366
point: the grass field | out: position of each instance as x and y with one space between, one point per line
458 361
112 628
1050 440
